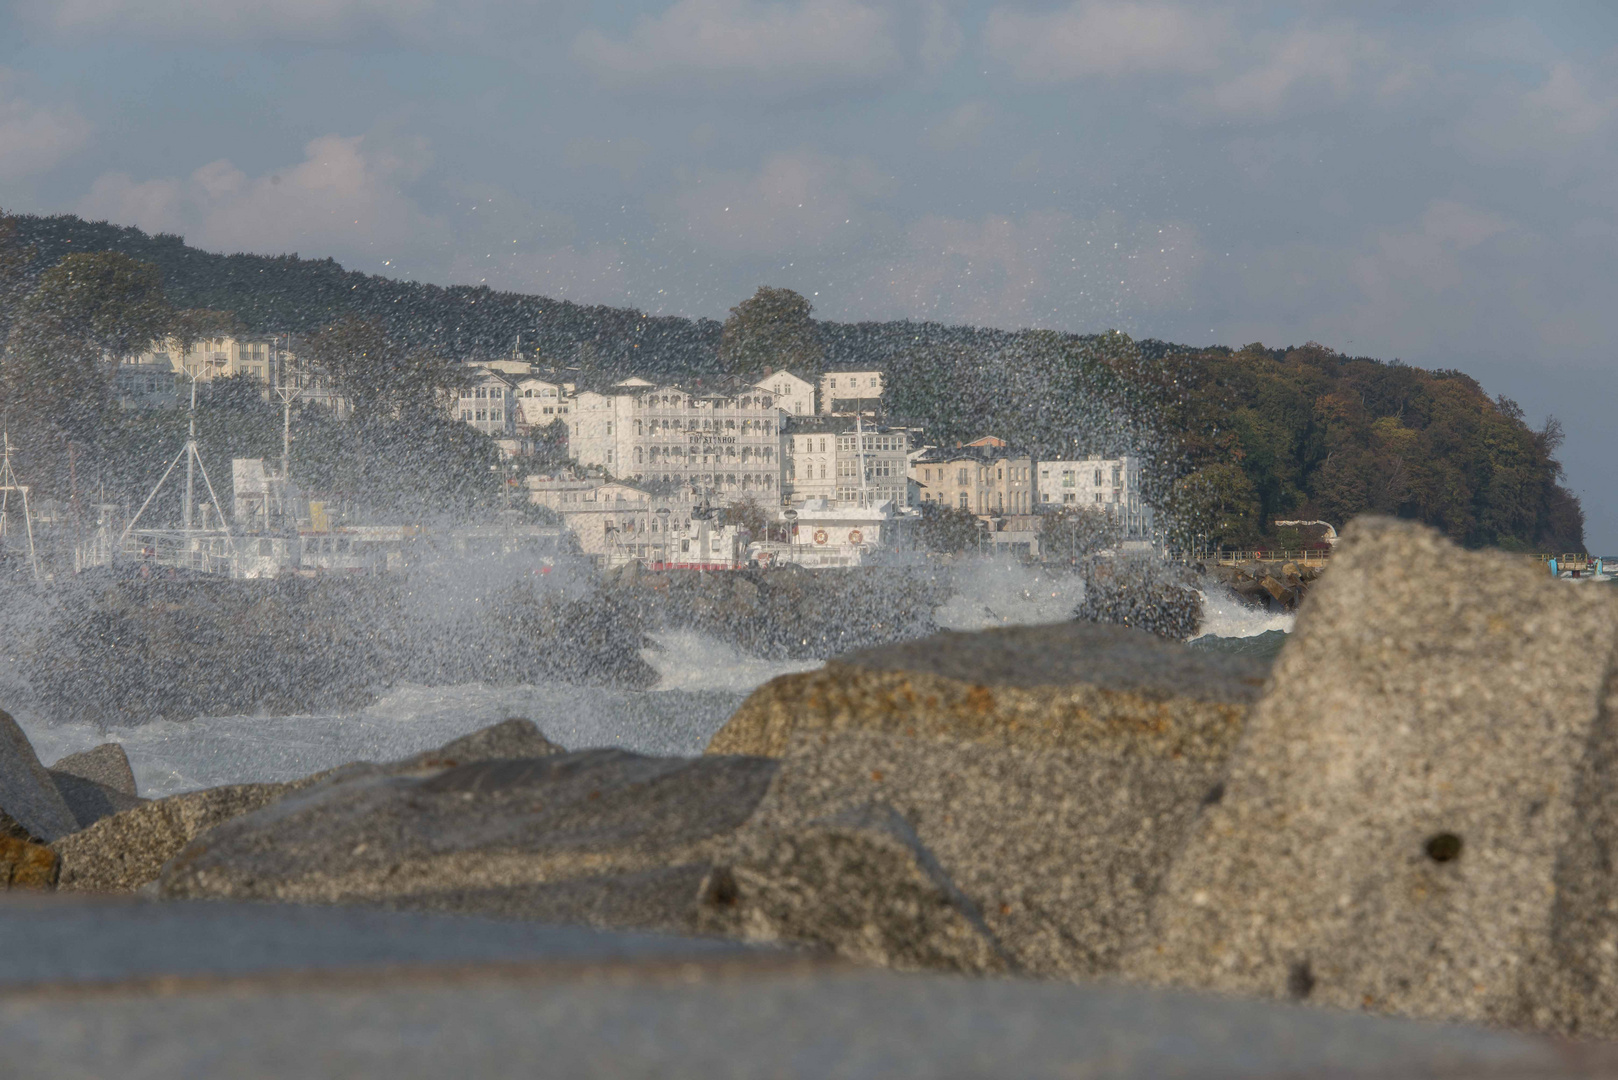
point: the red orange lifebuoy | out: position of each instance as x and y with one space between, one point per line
855 536
820 536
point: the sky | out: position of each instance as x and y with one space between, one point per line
1435 183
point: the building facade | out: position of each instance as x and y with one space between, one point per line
844 461
488 403
985 478
1109 484
540 402
723 447
849 390
793 396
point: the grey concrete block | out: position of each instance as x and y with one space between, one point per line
183 991
1060 850
1420 815
106 765
28 795
1075 685
493 825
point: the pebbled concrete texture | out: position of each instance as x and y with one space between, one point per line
29 798
1059 850
1074 685
176 991
1419 816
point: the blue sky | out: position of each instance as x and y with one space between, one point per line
1437 186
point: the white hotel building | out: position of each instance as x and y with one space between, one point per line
1112 485
723 446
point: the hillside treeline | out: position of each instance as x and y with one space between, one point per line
1235 439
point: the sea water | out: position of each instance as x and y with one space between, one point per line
701 682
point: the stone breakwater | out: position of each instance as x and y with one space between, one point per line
1409 813
127 650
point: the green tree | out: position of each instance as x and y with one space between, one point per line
771 328
1216 505
378 375
1075 533
947 530
86 314
14 259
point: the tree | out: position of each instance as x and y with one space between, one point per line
376 374
202 324
87 313
1216 505
1075 533
948 530
747 514
771 328
14 259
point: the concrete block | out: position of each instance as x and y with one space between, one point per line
1420 816
28 795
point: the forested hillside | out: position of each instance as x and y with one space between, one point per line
1235 438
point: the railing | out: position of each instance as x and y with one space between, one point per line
1304 555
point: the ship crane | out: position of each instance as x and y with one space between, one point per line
11 487
191 538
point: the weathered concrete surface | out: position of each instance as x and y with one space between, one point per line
1059 850
96 783
30 805
859 882
123 852
1420 814
1077 686
492 825
106 765
179 991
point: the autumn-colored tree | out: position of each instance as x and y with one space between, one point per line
1215 506
771 328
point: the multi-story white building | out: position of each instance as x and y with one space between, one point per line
844 461
793 395
1109 484
721 446
540 402
489 403
850 389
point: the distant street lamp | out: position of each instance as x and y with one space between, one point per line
663 512
792 533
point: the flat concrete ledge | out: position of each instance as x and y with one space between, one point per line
191 990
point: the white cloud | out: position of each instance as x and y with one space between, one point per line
34 138
1333 59
343 197
807 44
315 21
797 202
961 127
1103 39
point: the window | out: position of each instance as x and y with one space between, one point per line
961 478
1068 477
834 384
965 504
1098 478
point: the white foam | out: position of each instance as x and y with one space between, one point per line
1224 615
993 592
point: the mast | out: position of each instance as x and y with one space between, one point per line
8 484
190 458
859 440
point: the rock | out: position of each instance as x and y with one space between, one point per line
126 851
1080 686
123 852
96 783
1142 593
26 865
488 827
106 765
859 882
514 738
28 795
1419 817
1058 851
